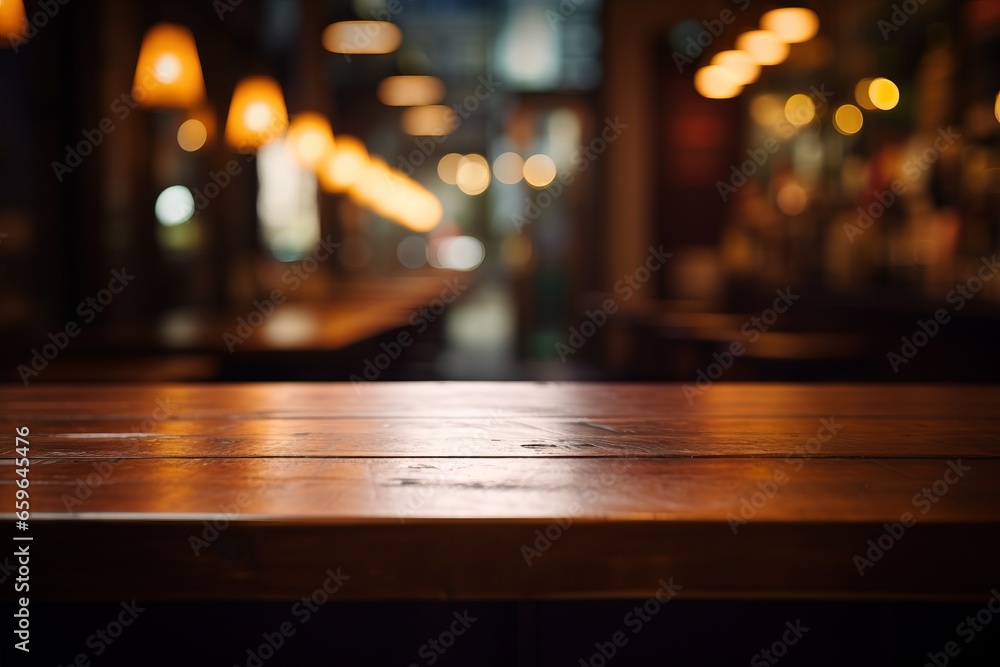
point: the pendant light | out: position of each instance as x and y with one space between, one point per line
168 73
13 22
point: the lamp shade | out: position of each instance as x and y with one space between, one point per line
257 113
310 139
168 73
13 22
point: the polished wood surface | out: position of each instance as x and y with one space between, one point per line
436 490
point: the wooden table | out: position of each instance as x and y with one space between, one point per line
189 344
447 490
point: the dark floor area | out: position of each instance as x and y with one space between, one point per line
574 633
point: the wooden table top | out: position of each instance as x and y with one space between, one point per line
508 490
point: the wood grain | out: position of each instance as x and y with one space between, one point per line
434 490
507 437
486 400
364 489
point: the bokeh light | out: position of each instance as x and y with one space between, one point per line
764 46
447 168
412 252
257 113
341 167
460 253
310 139
716 82
539 170
740 64
192 135
509 168
372 183
883 93
861 94
174 206
800 110
410 91
473 174
13 22
435 120
409 203
848 119
791 24
767 110
168 55
792 199
370 37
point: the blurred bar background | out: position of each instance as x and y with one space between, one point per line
513 190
